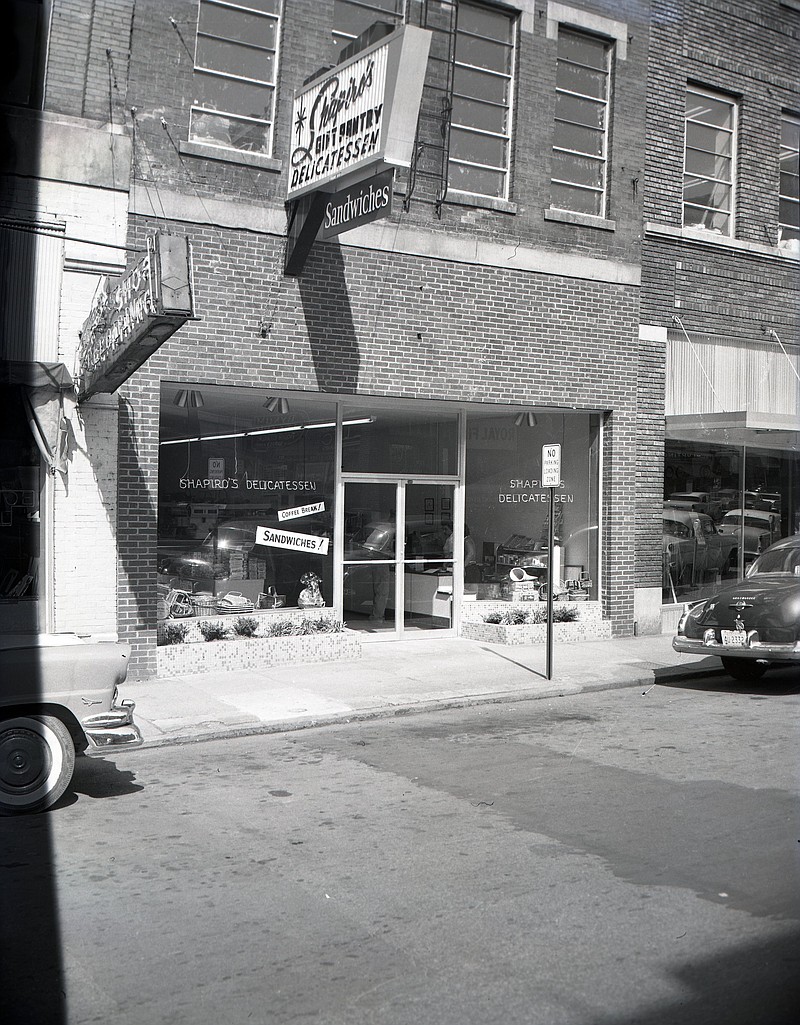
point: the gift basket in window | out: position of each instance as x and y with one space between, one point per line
270 599
178 604
203 603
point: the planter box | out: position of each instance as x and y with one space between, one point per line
256 653
536 633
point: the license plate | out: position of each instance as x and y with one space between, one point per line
734 638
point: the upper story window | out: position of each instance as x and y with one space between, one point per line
235 69
480 134
710 160
789 215
25 28
580 135
352 17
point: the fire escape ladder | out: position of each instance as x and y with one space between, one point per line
427 175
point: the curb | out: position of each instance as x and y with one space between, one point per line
649 677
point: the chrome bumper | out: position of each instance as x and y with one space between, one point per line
757 650
114 728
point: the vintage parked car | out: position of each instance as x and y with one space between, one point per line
761 528
699 501
58 698
753 623
693 546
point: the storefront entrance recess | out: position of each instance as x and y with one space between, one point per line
398 556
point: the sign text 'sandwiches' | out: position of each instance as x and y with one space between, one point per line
290 539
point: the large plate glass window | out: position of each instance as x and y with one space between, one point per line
235 71
233 460
724 504
789 216
506 530
710 161
580 136
480 135
399 440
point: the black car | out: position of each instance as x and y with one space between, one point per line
753 623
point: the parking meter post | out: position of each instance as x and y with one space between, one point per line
550 585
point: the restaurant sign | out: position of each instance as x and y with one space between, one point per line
360 203
132 316
359 116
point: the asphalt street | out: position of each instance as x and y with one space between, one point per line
628 856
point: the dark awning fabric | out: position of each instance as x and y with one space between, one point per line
48 394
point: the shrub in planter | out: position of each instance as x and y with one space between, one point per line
214 631
299 627
174 633
537 614
245 626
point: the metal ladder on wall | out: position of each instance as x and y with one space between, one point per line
427 175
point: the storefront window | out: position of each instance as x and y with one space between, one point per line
20 486
507 510
399 441
233 460
723 505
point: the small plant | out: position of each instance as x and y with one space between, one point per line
566 614
174 633
508 617
245 626
214 631
299 627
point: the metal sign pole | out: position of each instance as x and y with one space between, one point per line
551 479
550 563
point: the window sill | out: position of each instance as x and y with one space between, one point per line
484 202
711 238
584 220
229 156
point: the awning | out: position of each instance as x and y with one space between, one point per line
752 428
48 395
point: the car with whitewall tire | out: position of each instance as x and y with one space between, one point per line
58 698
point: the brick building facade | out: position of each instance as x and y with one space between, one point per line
537 297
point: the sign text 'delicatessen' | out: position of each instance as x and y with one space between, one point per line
360 115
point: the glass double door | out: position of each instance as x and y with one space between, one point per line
398 556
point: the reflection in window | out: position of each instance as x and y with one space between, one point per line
709 161
352 17
580 137
507 510
722 508
235 72
229 464
789 216
480 136
399 441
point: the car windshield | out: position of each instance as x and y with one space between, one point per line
778 560
675 529
378 537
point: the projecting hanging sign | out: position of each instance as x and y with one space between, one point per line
360 115
133 315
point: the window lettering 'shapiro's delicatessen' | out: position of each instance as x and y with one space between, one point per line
249 485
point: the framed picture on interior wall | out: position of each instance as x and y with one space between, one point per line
445 505
428 505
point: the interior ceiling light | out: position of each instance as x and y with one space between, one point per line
276 405
525 418
268 430
189 397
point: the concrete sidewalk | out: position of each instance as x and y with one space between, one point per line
394 678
